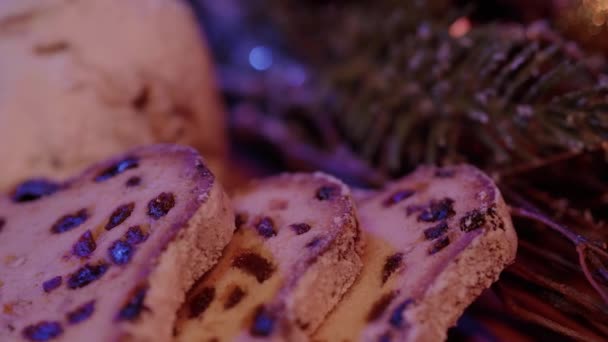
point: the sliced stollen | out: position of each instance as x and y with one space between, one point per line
294 254
110 254
434 241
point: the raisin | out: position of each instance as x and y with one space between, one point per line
81 313
255 265
51 48
160 206
397 197
439 245
2 223
33 189
302 325
380 306
265 227
203 170
121 252
438 210
42 331
396 319
131 310
472 220
141 100
120 215
436 231
118 168
300 228
444 173
391 264
201 301
239 220
314 242
87 274
85 245
386 337
327 192
234 298
70 221
263 322
52 284
135 235
133 181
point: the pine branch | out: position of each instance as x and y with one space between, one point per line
586 250
399 81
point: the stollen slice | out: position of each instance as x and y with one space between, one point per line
295 253
109 254
434 241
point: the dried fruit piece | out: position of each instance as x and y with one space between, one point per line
397 197
117 168
314 242
70 221
81 313
439 245
255 265
386 337
134 305
34 189
120 215
437 210
121 252
472 220
380 306
396 318
436 231
263 323
239 220
201 301
391 264
234 298
87 274
161 205
85 245
445 173
300 228
327 192
135 235
52 284
265 227
133 181
42 331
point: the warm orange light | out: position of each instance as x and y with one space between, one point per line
460 27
